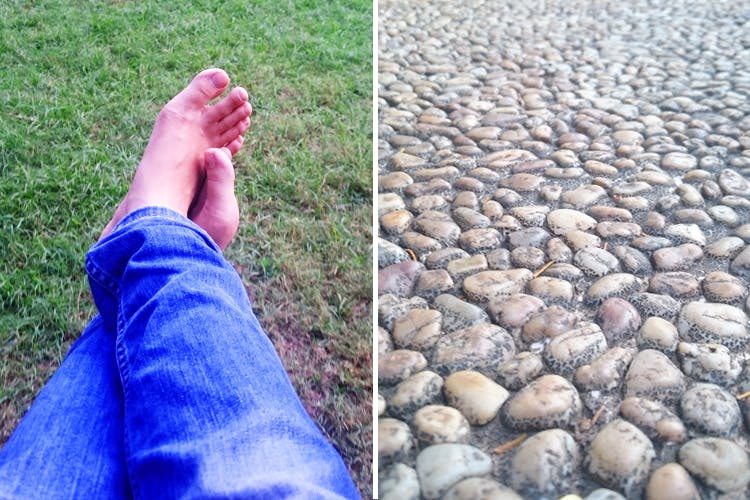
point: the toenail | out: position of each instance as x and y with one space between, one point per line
218 79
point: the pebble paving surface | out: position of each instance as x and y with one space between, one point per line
564 249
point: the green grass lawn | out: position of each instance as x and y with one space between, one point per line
80 86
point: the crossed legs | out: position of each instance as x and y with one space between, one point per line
76 423
174 389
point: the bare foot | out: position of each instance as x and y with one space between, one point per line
215 208
172 167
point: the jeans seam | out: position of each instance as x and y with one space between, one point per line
102 278
123 367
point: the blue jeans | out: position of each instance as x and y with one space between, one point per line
172 391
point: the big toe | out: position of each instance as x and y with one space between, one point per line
207 85
219 173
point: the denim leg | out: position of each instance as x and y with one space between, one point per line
70 444
209 410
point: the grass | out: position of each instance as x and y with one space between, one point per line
81 84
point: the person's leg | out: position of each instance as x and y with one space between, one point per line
69 444
209 410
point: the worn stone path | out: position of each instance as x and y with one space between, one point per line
564 249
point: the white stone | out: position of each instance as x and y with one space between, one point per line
719 463
671 481
395 440
476 396
549 401
653 375
398 482
480 488
436 424
564 220
620 456
442 465
415 392
714 323
545 464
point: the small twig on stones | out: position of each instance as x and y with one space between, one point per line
744 395
587 424
543 268
597 415
411 254
509 445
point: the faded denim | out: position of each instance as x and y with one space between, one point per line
172 391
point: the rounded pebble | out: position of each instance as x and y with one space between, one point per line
395 366
415 392
458 314
548 323
476 396
480 488
605 372
710 409
654 304
714 323
658 333
676 284
719 463
481 347
564 220
708 362
724 288
740 265
574 348
653 418
547 402
612 285
653 375
418 329
677 258
515 310
398 482
671 481
725 248
618 319
596 262
520 370
395 440
545 464
487 285
620 456
604 494
441 466
399 279
436 424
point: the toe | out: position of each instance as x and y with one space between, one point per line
238 115
238 129
235 145
219 172
207 85
236 99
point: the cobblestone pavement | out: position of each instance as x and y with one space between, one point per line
564 249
